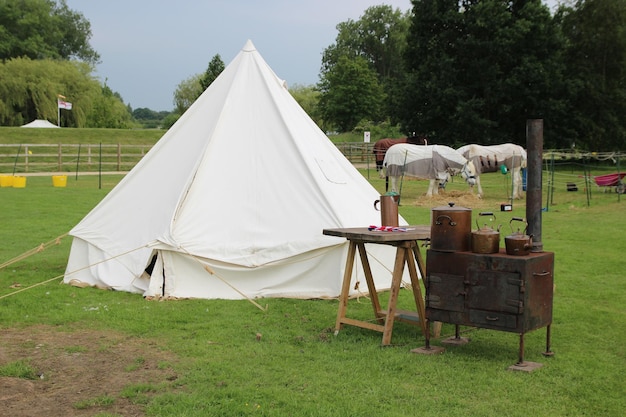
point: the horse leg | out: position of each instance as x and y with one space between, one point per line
431 188
394 183
478 187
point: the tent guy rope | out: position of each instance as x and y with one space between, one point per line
43 246
212 272
40 248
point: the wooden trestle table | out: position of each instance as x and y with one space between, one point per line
407 253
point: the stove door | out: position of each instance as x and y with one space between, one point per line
446 292
495 291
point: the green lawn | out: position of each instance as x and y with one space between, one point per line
298 367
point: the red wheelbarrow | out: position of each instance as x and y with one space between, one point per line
611 180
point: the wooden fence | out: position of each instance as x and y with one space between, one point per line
31 159
64 158
45 158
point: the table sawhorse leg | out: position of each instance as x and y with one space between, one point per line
396 280
345 287
405 254
417 290
369 279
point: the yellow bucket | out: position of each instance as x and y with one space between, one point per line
59 180
19 182
6 180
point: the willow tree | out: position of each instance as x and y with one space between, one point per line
30 88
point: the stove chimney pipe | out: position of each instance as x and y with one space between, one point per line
534 149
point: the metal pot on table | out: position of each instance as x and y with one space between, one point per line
518 243
486 239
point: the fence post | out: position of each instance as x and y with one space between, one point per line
60 159
119 156
78 160
26 158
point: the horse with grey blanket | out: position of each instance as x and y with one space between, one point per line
493 158
382 145
430 162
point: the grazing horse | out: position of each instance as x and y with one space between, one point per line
491 158
381 146
380 149
429 162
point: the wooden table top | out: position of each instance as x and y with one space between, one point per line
413 232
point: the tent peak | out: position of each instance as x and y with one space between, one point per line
249 46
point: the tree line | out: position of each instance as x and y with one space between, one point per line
457 71
473 71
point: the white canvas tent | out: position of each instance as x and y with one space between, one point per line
231 203
40 123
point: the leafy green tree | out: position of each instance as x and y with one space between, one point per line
188 90
40 29
350 92
596 63
108 111
308 98
478 72
169 120
186 93
431 93
44 52
29 91
216 66
148 118
378 38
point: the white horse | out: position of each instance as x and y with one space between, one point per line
429 162
491 159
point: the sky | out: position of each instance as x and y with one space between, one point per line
148 47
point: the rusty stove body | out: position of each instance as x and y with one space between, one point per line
495 291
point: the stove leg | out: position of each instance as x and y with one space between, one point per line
456 339
548 352
520 360
428 349
521 365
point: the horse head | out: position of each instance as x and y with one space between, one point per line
468 172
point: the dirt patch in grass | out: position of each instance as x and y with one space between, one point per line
81 373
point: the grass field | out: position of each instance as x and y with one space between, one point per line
90 352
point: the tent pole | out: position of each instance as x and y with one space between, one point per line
402 177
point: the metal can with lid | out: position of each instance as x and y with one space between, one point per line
450 228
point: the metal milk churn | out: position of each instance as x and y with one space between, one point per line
388 208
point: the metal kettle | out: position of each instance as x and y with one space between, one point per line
485 239
518 243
